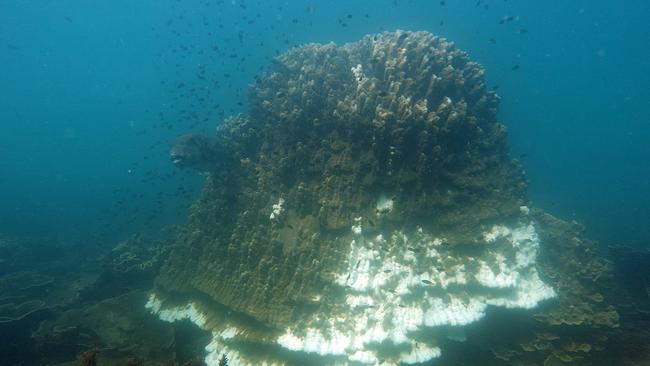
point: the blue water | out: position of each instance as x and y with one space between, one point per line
91 92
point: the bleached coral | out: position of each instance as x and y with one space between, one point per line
393 292
173 314
357 72
277 209
389 297
384 206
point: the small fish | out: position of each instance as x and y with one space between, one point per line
522 31
427 282
388 270
372 223
492 41
290 226
414 250
357 266
515 67
508 19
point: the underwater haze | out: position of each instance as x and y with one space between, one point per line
92 93
338 212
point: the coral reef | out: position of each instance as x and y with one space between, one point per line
577 268
88 358
64 310
36 284
117 324
577 327
364 211
369 199
108 315
22 294
131 264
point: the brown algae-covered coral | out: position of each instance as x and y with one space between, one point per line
369 211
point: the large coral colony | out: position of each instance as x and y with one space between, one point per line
366 211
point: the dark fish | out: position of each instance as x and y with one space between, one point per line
290 226
508 19
388 270
427 282
492 41
414 250
515 67
357 266
522 31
